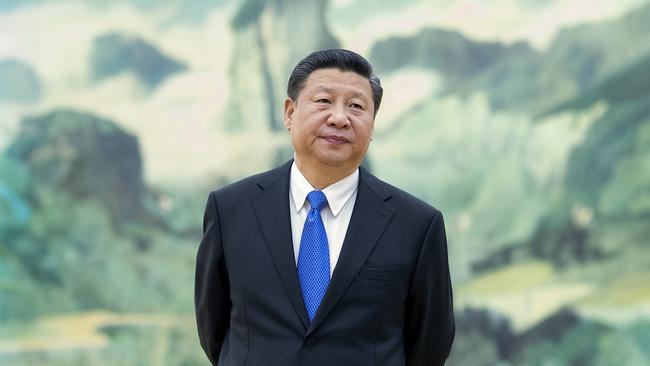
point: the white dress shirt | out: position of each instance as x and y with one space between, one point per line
336 215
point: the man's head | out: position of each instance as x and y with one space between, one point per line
330 109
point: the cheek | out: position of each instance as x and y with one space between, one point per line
363 130
302 136
309 127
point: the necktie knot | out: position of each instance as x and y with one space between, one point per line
317 200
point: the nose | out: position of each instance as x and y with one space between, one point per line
338 118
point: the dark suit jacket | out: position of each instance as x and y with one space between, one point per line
389 301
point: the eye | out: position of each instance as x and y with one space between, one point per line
323 100
356 106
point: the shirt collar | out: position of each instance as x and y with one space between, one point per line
337 194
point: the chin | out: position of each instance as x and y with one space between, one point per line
337 161
332 160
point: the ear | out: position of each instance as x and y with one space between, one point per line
289 108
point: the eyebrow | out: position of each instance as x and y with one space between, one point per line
355 93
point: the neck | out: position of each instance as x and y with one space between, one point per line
323 176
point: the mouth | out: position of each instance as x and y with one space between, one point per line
334 139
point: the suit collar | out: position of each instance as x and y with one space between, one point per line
377 186
265 180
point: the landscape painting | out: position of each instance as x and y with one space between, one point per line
526 122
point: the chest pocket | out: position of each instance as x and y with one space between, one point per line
383 273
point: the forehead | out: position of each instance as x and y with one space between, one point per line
335 80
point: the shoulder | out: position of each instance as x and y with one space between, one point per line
398 198
252 184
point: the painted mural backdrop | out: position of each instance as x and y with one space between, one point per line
526 122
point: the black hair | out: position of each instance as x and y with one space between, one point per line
344 60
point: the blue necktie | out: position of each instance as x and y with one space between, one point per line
314 256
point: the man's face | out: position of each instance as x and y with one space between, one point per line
332 120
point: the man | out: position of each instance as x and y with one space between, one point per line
318 262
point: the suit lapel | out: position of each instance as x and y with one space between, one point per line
369 219
271 207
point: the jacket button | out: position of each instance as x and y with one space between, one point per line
311 342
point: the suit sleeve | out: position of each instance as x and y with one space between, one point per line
211 291
430 326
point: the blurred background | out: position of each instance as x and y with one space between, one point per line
527 122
